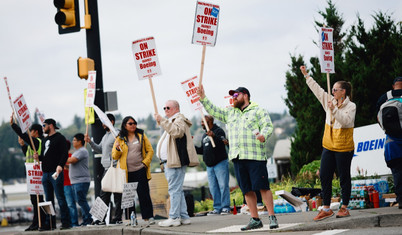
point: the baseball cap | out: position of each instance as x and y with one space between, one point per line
240 89
51 121
398 79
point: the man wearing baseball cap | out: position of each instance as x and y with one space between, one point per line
249 126
393 143
54 156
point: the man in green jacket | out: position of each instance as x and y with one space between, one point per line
249 126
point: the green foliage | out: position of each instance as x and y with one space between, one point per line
206 205
237 195
374 59
11 157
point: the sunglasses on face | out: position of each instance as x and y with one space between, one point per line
166 108
131 123
336 89
235 95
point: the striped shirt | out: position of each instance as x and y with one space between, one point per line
240 126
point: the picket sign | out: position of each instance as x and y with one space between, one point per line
147 62
99 209
40 115
24 118
129 190
326 44
105 120
205 28
193 98
34 183
89 98
206 22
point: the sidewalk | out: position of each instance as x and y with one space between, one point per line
302 221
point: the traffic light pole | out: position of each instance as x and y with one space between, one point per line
94 52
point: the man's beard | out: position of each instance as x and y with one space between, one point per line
238 103
106 129
47 131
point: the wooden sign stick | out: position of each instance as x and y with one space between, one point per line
153 94
37 204
204 47
37 195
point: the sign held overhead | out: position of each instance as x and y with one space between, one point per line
326 44
206 24
146 58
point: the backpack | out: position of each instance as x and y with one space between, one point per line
390 115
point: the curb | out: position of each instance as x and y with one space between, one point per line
388 220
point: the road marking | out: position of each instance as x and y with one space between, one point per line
332 232
237 228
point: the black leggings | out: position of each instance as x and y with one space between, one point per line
140 176
341 161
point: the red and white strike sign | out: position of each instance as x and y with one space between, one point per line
190 88
146 58
23 116
34 178
206 24
91 91
326 45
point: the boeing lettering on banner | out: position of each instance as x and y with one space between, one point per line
370 145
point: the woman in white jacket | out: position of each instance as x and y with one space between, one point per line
337 142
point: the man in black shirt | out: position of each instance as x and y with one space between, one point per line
54 156
217 163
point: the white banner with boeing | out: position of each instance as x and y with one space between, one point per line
369 151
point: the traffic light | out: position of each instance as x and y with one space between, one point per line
67 16
84 65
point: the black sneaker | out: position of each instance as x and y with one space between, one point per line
252 224
32 227
98 222
116 221
65 226
44 228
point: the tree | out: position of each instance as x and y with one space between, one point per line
303 105
374 59
150 122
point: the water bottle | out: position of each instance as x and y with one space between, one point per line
133 220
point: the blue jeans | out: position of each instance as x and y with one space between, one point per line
218 179
52 187
72 207
81 191
175 179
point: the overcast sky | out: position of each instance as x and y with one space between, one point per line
254 42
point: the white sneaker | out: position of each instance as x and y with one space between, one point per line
185 221
170 222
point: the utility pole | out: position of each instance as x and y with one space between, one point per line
94 52
68 19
